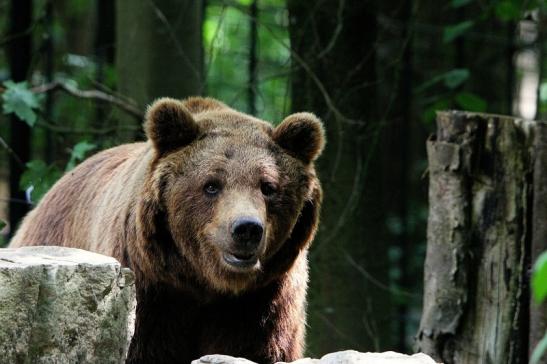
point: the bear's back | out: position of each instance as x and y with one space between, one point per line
86 202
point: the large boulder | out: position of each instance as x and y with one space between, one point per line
63 305
340 357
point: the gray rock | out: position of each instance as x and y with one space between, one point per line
340 357
389 357
221 359
63 305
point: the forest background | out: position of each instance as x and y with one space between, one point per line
76 76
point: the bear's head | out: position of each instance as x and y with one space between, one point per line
228 201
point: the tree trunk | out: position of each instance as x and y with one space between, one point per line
485 218
19 54
159 49
104 47
333 51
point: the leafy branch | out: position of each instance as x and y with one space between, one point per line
20 99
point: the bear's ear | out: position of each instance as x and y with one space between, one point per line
301 135
169 125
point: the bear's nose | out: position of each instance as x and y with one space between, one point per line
247 232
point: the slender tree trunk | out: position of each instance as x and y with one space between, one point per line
486 215
159 49
48 73
104 49
333 49
19 55
253 45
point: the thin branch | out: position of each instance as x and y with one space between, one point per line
377 283
12 153
337 31
128 107
69 130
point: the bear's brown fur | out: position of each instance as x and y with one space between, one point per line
214 214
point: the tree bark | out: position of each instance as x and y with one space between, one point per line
484 219
333 52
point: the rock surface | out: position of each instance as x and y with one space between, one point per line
63 305
341 357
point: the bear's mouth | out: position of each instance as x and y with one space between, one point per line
240 260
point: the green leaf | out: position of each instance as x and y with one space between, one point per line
459 3
451 79
543 92
38 179
78 153
18 99
454 31
508 10
430 113
470 102
539 278
539 350
456 77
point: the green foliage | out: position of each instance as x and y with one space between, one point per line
540 349
21 101
430 111
539 291
470 102
543 97
459 3
451 79
38 178
78 153
226 31
539 278
455 31
508 10
456 77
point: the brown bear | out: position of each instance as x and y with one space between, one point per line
214 214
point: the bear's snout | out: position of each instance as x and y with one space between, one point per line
247 234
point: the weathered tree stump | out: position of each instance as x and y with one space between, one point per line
63 305
487 223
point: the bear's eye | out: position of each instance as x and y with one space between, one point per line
268 189
212 188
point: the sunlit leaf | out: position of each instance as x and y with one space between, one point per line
543 92
452 32
540 349
470 102
456 77
451 79
539 278
21 101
